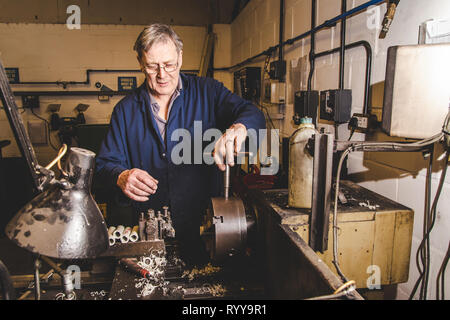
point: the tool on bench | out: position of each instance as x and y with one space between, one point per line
131 265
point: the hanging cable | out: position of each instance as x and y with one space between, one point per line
61 154
271 121
342 291
441 276
345 286
351 134
426 226
335 227
423 251
375 146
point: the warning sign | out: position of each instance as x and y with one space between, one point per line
126 83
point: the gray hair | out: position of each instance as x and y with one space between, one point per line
153 34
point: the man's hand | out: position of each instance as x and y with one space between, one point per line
137 184
229 144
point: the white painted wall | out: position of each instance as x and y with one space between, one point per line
399 177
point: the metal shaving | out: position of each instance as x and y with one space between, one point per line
98 294
216 290
368 205
154 264
207 270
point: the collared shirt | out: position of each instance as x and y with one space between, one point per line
160 122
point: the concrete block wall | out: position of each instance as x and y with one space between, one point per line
52 52
400 177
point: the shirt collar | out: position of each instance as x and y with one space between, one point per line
175 93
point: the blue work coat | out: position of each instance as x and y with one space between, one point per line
134 141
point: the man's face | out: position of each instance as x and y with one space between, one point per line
161 82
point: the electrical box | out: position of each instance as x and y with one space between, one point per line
274 92
416 90
30 102
336 105
305 105
363 122
277 70
247 83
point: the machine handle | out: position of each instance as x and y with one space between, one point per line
226 181
226 175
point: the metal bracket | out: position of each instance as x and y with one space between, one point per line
321 191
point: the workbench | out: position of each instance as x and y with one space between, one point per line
104 279
373 231
374 237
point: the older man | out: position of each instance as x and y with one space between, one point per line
136 155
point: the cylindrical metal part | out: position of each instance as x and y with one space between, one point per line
37 281
126 235
119 231
142 227
111 236
300 166
230 227
132 266
111 230
68 284
151 229
134 234
166 211
226 182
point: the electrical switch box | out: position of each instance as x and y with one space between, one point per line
305 105
336 105
30 102
277 70
247 83
274 92
363 122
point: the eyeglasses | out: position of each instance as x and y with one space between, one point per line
168 67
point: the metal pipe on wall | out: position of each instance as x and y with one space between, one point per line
368 71
88 77
291 41
313 44
281 33
342 52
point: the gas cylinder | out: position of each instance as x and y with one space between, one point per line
300 165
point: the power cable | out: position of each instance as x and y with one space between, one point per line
371 146
423 251
441 275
